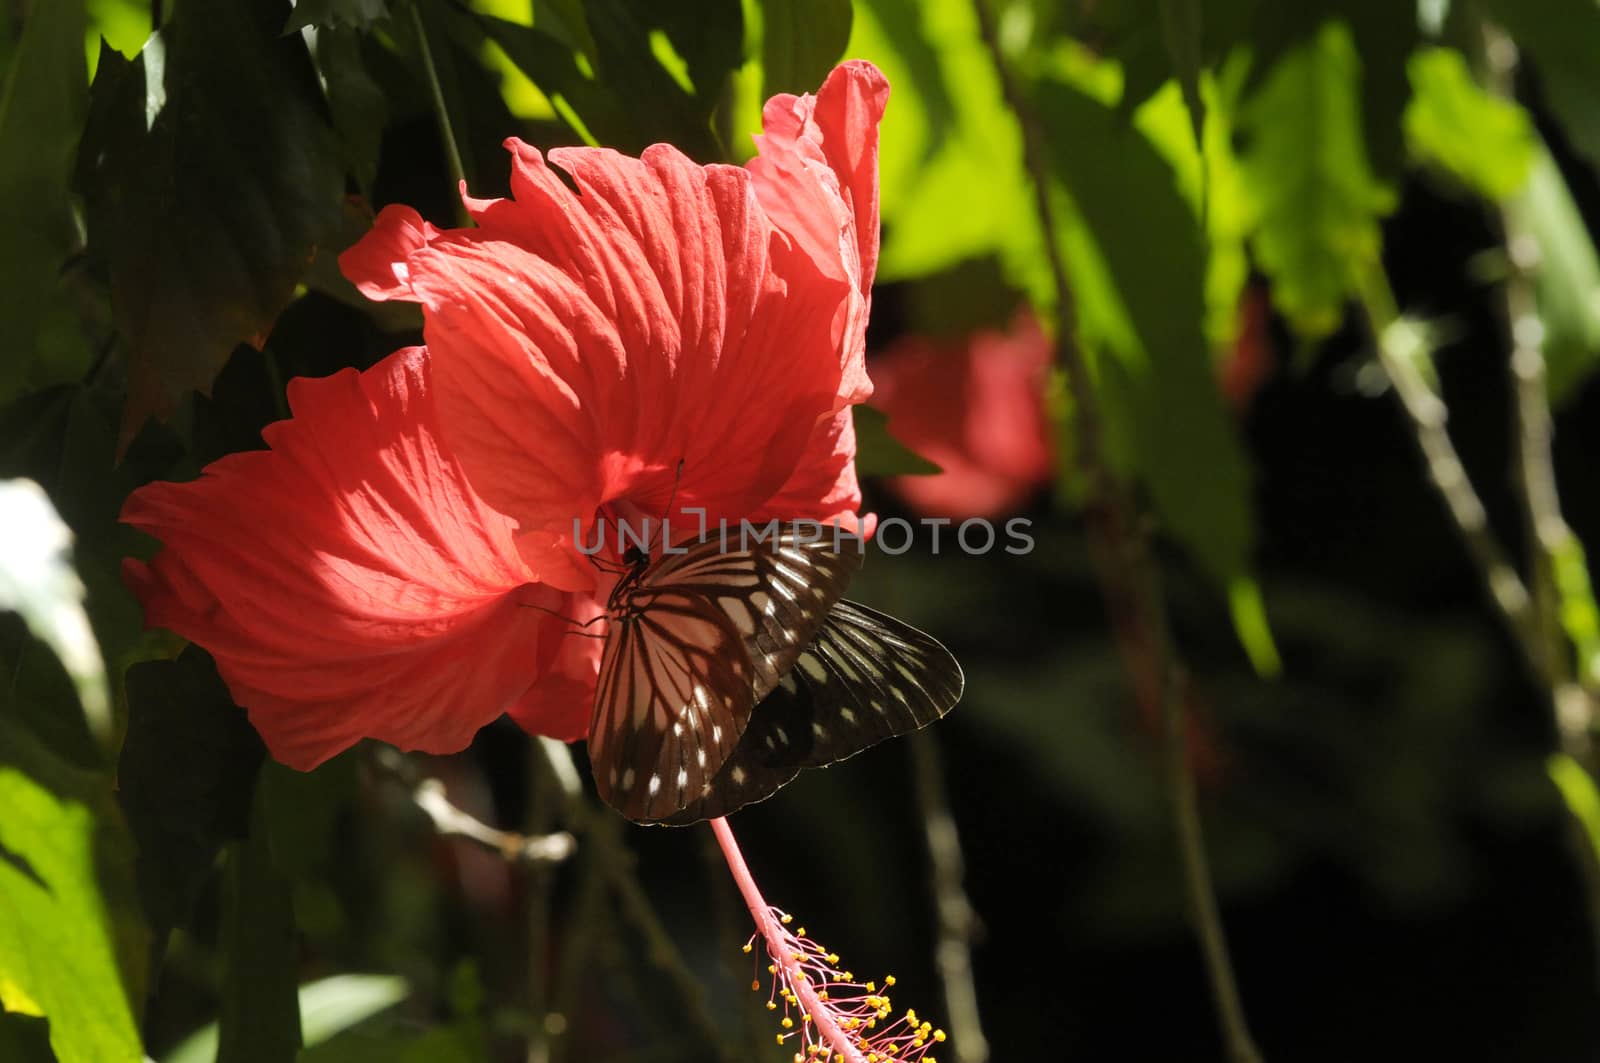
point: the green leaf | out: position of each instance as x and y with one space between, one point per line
1181 28
1214 186
800 42
658 72
328 1007
1563 37
355 101
42 106
68 931
1139 276
356 14
211 176
1481 140
949 137
186 775
260 1019
880 454
38 581
1566 277
1305 163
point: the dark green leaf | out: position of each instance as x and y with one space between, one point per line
71 944
1563 38
1140 277
260 1019
800 42
211 176
661 69
356 14
187 771
24 1039
42 107
354 99
1305 163
302 811
880 454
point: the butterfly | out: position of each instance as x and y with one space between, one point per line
725 672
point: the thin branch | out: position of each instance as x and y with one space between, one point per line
429 795
1402 349
600 829
958 923
1129 581
1533 472
441 112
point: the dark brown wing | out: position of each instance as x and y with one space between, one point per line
696 641
864 678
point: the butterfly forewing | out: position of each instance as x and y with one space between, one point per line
864 678
695 640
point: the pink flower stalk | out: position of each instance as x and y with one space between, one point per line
838 1017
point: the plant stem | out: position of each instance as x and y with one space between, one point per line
1129 580
772 933
447 133
957 921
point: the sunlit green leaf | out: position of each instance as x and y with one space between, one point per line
800 42
1566 276
1305 164
1230 211
67 932
1563 38
328 1007
185 778
1139 276
37 580
951 170
211 176
1480 139
42 106
880 454
1181 28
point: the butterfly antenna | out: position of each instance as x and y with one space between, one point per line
563 617
672 496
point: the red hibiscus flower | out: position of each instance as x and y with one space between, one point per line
616 335
976 408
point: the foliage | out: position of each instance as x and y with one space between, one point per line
174 203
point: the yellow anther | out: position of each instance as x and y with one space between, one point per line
772 1005
779 1038
787 919
888 979
801 932
938 1035
788 1023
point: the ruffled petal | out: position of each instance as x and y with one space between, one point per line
349 581
586 344
817 179
377 264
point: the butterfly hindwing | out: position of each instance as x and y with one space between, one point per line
695 640
864 678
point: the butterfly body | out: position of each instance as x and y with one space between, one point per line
725 672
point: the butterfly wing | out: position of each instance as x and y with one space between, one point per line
864 678
695 642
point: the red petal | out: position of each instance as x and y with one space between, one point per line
977 409
817 178
349 582
586 344
376 264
